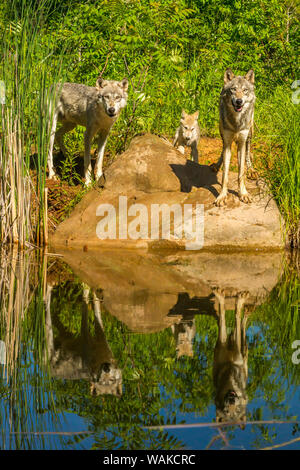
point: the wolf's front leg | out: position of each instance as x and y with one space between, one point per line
222 198
87 157
251 172
48 324
194 152
181 149
220 296
240 302
243 194
99 163
175 140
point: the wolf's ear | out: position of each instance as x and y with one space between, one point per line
196 114
183 114
100 83
228 75
250 76
124 84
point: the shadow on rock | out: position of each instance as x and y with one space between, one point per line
192 174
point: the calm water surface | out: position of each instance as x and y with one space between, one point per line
127 350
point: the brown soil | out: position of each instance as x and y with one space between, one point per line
61 199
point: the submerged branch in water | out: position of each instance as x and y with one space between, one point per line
217 425
175 426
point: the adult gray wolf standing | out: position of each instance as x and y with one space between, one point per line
95 108
236 124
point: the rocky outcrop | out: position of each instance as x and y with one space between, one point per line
125 212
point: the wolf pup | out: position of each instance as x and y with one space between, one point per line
188 134
95 108
236 124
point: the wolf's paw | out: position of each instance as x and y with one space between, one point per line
53 177
87 182
246 198
181 149
252 174
101 180
243 294
214 167
221 200
219 294
218 291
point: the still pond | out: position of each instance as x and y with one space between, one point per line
128 350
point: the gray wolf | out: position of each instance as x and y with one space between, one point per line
188 134
84 356
230 369
95 108
236 111
184 333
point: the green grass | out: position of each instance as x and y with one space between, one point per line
279 120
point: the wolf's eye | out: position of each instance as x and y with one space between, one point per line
118 98
192 128
106 97
245 90
233 89
186 127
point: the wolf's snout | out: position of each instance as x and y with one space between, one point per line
237 104
111 111
230 397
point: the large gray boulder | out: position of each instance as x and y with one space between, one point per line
152 172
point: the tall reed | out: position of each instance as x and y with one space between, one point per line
29 65
26 390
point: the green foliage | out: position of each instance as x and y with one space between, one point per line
283 157
175 53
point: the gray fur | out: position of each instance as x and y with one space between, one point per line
95 108
230 369
86 356
236 124
188 134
